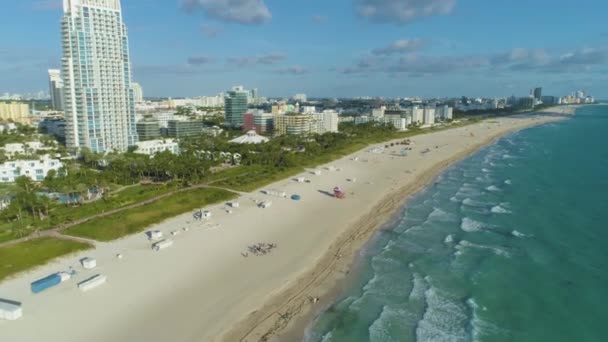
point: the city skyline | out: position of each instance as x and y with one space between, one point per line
353 48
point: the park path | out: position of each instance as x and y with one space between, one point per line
56 231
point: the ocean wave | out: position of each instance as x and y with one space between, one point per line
440 215
485 170
469 225
418 288
473 203
493 188
463 245
508 182
499 210
389 324
449 239
520 234
480 327
444 319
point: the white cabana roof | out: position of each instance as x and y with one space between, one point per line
250 138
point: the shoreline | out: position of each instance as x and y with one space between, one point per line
204 289
287 315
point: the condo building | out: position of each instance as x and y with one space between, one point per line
98 93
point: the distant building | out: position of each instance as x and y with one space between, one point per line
444 113
258 121
325 122
417 115
527 102
236 106
300 98
182 129
54 126
379 112
15 111
151 147
148 129
138 92
56 89
549 100
296 124
36 170
429 116
250 137
538 93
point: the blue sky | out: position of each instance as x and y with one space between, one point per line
334 47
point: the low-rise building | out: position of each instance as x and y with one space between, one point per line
250 137
297 124
151 147
182 129
53 125
15 111
25 149
36 170
148 129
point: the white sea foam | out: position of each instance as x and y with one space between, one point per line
493 188
499 210
519 234
418 288
440 215
383 328
474 203
449 239
463 245
508 182
470 225
485 170
328 337
444 319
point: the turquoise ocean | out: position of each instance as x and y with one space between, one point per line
510 244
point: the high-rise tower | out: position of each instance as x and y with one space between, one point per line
98 95
56 89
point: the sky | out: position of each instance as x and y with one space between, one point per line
334 48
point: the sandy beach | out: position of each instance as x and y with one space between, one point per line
203 288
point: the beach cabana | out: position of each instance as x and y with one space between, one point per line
88 263
10 310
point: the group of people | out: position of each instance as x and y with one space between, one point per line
259 249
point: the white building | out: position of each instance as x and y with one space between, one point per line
417 115
444 113
138 92
379 112
99 105
250 137
56 89
300 97
429 116
308 109
27 148
36 170
151 147
324 122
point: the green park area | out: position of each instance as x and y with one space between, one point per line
26 255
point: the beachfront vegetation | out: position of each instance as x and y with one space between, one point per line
26 255
95 184
135 220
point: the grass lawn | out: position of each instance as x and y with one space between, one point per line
26 255
136 220
61 214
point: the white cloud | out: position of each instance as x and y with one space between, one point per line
246 12
402 11
400 46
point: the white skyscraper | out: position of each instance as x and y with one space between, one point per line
99 104
138 92
56 89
